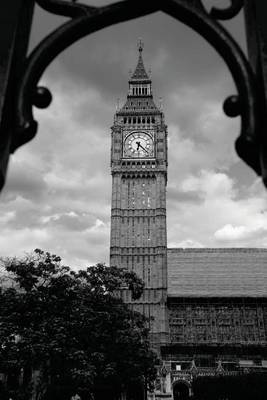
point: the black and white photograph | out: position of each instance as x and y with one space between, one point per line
133 200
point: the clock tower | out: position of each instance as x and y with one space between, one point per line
138 215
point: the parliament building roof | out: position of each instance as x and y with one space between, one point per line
217 272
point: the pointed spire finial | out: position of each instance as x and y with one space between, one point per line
140 45
140 72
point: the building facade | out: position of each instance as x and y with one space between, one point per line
208 307
217 307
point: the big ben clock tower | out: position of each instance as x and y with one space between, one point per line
138 215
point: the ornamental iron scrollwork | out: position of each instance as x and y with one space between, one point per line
229 12
85 20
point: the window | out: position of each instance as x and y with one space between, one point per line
246 363
148 276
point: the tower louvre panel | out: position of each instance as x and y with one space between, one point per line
138 215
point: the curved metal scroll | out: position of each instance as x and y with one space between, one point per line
229 12
86 20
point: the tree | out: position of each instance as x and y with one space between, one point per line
69 332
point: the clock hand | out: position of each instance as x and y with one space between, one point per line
138 145
143 148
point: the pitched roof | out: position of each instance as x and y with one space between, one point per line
140 72
212 272
140 105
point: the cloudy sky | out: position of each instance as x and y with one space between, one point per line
57 195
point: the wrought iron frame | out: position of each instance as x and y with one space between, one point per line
85 20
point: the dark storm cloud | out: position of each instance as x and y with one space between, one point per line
103 59
176 196
25 181
27 215
70 221
244 180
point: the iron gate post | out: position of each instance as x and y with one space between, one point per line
15 27
256 34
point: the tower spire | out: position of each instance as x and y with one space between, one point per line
140 73
140 45
140 96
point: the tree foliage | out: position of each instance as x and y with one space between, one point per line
70 330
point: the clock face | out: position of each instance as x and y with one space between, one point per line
138 144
